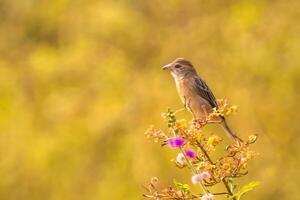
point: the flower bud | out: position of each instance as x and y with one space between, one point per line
190 153
180 159
208 196
205 175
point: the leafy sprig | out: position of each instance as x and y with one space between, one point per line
194 147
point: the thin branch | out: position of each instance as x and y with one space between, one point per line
211 162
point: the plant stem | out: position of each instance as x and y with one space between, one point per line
188 162
228 188
195 171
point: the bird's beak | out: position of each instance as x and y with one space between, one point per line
168 66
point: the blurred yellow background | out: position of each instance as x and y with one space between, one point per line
80 82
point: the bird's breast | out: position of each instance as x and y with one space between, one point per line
191 98
186 89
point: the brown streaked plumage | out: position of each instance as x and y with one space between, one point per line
194 92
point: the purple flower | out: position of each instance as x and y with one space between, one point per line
190 153
175 142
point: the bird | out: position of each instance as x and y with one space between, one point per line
195 94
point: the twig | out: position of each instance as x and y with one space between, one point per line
211 162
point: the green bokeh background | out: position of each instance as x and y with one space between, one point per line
80 82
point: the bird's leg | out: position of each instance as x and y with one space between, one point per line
187 106
185 102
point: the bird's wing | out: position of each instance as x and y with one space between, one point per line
204 91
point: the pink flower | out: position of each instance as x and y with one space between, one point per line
208 196
175 142
190 153
205 175
198 178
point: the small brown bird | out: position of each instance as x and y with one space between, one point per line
194 92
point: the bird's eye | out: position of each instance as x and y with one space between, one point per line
177 66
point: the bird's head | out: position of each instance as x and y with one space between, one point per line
180 67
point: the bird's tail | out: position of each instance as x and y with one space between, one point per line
229 131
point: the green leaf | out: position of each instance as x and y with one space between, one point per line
183 187
232 185
246 188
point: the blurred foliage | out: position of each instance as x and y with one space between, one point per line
80 81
